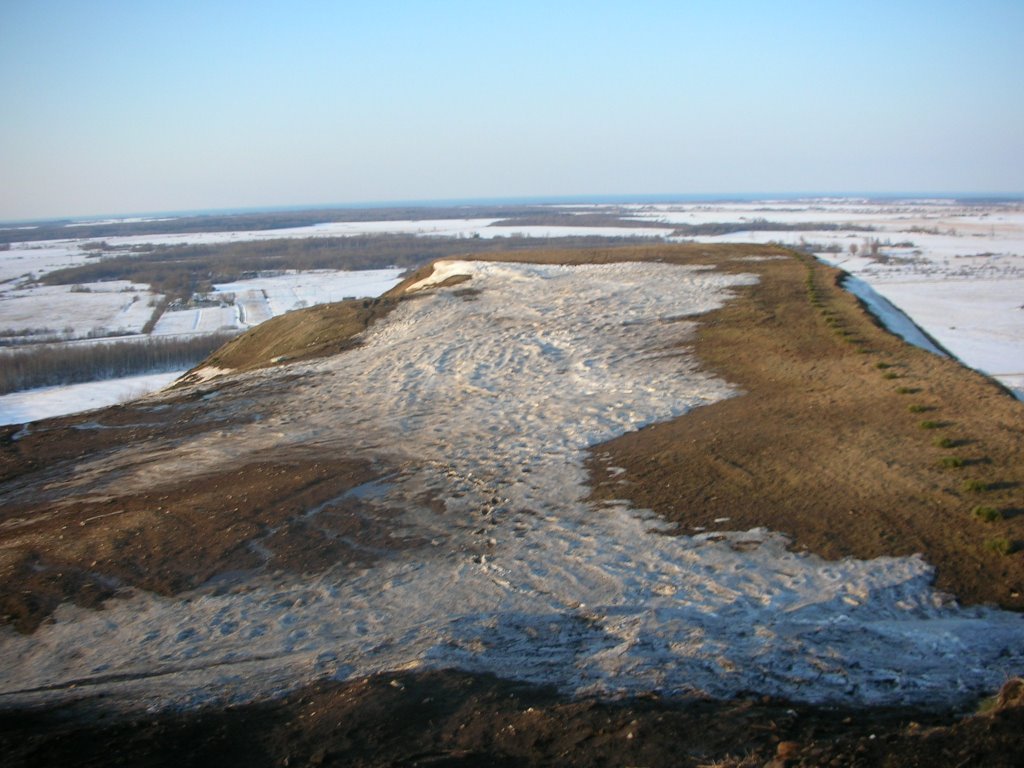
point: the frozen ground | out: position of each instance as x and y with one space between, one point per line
487 405
34 404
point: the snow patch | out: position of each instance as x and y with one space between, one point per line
891 317
208 372
443 270
46 402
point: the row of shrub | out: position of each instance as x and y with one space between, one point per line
987 513
246 221
58 364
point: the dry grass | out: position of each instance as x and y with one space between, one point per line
821 446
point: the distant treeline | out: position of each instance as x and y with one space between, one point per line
259 221
712 228
178 271
59 364
556 218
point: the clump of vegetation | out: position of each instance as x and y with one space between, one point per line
1010 695
907 390
930 424
1001 545
945 442
890 375
987 514
882 365
918 408
974 486
14 336
952 462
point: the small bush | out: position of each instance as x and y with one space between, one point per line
907 391
881 365
1001 545
918 408
890 375
929 424
945 442
974 486
987 514
952 462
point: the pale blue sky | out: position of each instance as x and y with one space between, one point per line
118 107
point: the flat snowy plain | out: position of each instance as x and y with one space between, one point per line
956 271
487 403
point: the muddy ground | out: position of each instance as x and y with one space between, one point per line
847 440
455 719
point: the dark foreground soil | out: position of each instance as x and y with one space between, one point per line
456 719
846 439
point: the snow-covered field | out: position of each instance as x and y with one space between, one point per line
24 261
45 312
488 406
43 403
250 302
122 306
957 271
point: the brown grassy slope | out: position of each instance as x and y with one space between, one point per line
319 331
824 445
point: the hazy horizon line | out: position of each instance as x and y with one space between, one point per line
576 199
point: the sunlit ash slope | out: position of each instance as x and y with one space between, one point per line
418 499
